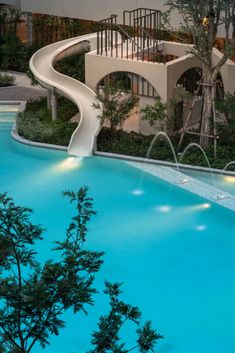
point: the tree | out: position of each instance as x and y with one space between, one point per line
107 339
155 113
202 18
116 103
33 296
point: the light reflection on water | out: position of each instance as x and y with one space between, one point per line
223 182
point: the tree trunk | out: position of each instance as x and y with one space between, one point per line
207 108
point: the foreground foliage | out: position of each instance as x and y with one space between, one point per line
33 295
107 337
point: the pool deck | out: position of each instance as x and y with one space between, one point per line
22 91
190 184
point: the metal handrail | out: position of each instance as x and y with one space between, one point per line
128 36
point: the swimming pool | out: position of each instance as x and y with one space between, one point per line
174 255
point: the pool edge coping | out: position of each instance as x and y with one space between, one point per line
22 104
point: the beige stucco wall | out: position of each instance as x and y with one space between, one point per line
227 71
97 67
178 49
163 77
228 76
176 68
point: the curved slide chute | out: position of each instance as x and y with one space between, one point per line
41 64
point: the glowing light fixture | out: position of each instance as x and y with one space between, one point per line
68 164
229 179
164 209
137 192
206 205
201 228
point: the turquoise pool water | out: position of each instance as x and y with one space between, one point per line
175 257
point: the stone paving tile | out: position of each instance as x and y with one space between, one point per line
23 90
20 93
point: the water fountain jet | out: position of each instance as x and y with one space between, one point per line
163 134
227 165
194 144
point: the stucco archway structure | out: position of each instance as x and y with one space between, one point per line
163 77
97 67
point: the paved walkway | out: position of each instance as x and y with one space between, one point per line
22 91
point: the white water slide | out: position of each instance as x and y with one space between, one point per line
42 65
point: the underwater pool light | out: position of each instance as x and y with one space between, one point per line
206 205
137 192
229 179
69 164
201 228
164 209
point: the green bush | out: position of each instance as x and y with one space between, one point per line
137 145
6 80
133 144
14 54
73 66
31 127
35 123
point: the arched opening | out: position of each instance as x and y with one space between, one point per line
186 88
189 79
139 86
131 81
189 100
